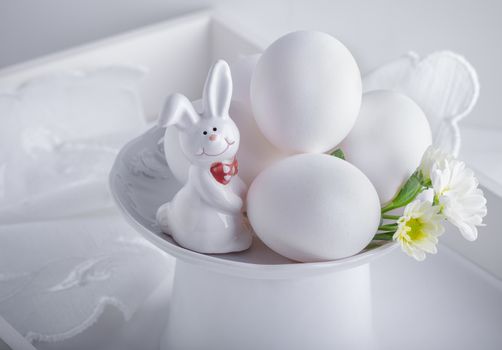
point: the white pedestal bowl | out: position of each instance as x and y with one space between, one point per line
251 300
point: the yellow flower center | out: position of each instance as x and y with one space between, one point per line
415 231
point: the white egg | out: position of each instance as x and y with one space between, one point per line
255 152
313 207
242 71
388 141
306 92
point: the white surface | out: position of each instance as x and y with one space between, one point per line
82 270
485 252
439 304
190 38
60 135
483 152
58 277
375 31
461 304
442 303
11 339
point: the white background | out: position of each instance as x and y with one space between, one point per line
375 31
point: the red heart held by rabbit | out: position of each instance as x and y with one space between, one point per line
223 172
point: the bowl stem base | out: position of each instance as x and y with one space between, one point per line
213 310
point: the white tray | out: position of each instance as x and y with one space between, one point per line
445 302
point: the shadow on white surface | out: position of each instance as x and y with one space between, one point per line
442 303
112 332
10 339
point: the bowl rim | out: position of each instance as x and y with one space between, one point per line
226 266
246 269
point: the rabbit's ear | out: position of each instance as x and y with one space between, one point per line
178 111
218 90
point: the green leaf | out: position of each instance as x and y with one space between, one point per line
389 227
338 153
387 236
407 193
390 217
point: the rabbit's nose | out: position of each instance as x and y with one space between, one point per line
213 137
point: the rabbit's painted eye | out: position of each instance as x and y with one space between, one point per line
205 132
214 129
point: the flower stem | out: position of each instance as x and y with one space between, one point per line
412 187
435 200
389 227
390 217
386 236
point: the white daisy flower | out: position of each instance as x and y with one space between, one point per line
418 229
457 193
431 156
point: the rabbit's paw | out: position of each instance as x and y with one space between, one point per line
162 218
235 205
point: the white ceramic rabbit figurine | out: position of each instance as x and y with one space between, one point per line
206 214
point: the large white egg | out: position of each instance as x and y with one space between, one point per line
306 92
255 151
313 207
242 70
388 141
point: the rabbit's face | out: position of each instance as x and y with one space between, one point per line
209 136
210 140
